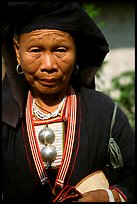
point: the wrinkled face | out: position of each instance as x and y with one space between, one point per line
47 58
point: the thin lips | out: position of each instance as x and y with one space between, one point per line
49 79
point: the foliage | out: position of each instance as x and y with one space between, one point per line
91 9
122 88
123 93
93 12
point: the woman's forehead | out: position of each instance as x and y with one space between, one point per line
46 34
66 16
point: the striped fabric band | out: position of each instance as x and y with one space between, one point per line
70 114
70 135
32 140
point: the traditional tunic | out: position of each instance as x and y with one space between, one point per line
21 182
88 147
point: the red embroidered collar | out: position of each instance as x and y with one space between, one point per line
69 112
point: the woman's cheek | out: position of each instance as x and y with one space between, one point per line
30 78
29 65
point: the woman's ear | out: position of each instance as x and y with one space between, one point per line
16 47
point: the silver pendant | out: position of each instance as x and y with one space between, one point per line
48 153
46 136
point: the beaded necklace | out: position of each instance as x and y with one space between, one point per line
43 116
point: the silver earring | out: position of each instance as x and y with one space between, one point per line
17 69
76 69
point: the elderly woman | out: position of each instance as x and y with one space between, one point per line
56 128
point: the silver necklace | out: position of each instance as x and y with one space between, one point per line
43 116
48 152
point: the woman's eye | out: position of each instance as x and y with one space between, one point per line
35 50
60 52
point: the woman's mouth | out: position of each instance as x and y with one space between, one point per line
48 81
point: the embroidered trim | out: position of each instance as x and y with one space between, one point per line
77 148
69 138
70 114
26 151
32 139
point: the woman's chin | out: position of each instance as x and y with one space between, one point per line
52 89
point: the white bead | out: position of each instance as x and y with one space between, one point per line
43 116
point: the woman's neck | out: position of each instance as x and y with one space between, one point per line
48 102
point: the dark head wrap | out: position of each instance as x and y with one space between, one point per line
23 17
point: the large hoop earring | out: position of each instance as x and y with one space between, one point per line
76 70
19 71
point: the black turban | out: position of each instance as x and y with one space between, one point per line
23 17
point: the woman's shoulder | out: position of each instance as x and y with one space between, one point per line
96 97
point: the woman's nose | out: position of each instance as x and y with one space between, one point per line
47 63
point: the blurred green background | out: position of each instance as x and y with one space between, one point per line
116 77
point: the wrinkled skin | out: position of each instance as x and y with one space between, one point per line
47 58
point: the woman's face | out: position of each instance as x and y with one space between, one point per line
47 58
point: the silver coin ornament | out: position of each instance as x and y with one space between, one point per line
48 153
46 136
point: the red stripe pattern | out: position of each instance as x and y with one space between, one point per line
72 108
70 114
32 140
